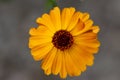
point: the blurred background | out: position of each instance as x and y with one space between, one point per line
18 16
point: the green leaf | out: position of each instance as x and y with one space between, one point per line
50 4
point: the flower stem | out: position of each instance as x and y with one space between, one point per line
50 4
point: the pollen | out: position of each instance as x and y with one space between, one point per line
62 40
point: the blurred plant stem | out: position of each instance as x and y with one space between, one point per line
50 4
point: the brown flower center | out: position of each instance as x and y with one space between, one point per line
62 40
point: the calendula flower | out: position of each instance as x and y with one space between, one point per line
65 41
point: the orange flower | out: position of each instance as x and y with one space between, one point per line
65 41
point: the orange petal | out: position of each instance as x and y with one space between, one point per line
46 21
78 60
74 71
79 27
56 18
63 72
87 27
85 56
39 31
41 51
85 17
93 43
48 60
56 67
37 41
95 29
74 21
66 16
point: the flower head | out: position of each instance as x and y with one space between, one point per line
65 41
